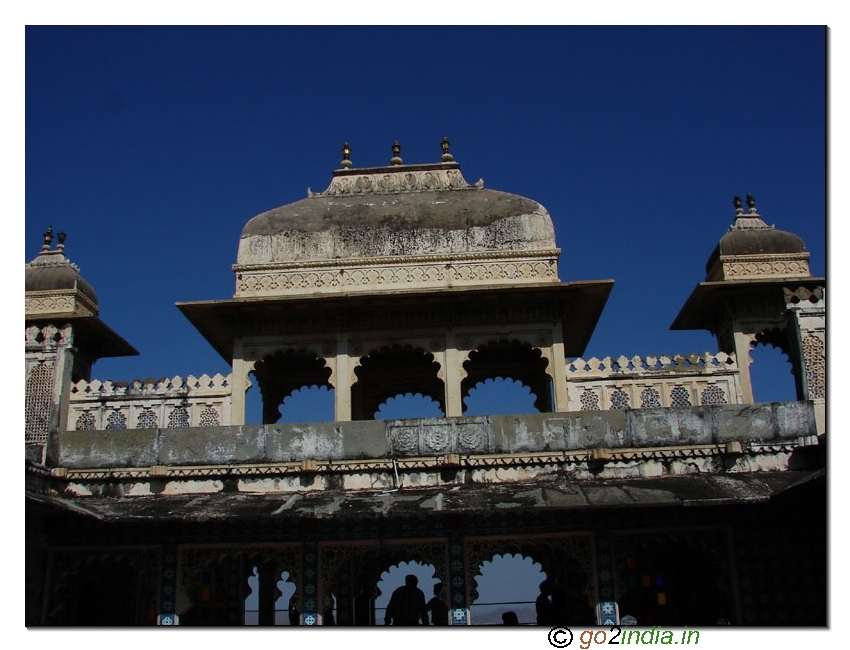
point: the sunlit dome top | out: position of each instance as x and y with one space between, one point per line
397 210
52 272
752 248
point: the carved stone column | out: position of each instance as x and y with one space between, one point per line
454 398
342 374
807 321
240 384
559 370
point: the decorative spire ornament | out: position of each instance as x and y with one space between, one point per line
48 238
447 157
346 156
396 159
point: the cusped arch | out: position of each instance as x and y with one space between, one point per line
348 568
775 339
394 370
284 371
509 358
553 554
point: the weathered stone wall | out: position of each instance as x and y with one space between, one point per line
545 432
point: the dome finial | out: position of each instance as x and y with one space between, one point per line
447 157
48 238
346 156
396 159
751 203
60 237
739 207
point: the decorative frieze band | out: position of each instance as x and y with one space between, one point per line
267 280
427 463
58 302
744 266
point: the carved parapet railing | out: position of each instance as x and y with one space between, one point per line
653 381
150 404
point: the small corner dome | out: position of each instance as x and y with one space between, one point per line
399 210
52 271
750 235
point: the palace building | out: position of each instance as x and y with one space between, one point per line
647 486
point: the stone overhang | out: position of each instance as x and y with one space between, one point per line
576 305
337 462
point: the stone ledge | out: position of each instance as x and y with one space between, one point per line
508 434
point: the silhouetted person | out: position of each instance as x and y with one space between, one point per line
329 610
510 618
294 614
543 605
559 603
364 612
437 608
407 604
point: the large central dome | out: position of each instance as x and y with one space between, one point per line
395 227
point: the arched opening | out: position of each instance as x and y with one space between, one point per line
507 583
394 578
499 396
308 404
407 406
284 591
771 373
561 590
281 374
513 360
393 371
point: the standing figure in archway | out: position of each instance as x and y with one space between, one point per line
559 603
407 604
437 608
543 604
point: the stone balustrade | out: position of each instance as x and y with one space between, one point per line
150 404
678 381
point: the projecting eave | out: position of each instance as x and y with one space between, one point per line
577 305
92 335
554 496
706 305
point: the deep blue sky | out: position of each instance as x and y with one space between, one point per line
153 146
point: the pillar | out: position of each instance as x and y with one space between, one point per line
606 610
452 377
342 389
559 371
458 607
240 384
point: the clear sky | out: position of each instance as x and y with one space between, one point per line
153 146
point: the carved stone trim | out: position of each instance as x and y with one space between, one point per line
407 440
814 359
745 266
273 280
59 302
